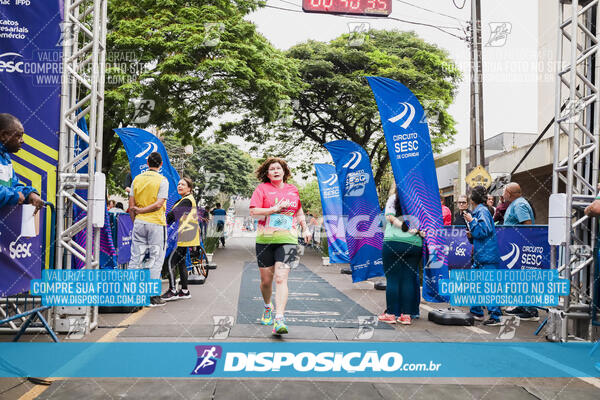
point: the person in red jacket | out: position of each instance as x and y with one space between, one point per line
446 213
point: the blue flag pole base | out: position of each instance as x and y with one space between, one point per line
346 271
380 285
451 317
211 265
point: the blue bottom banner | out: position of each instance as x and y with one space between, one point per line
315 359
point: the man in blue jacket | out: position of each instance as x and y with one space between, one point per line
13 192
485 247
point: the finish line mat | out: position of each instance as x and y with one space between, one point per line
312 301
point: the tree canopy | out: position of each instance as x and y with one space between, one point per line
311 198
337 103
218 171
196 59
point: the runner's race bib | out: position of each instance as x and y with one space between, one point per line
280 221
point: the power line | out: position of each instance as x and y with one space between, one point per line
296 5
284 9
461 7
438 27
428 10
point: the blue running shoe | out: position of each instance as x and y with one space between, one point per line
267 317
280 327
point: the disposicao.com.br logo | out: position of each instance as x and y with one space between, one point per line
369 361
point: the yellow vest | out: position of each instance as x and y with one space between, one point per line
188 234
145 192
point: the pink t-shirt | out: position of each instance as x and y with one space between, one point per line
280 227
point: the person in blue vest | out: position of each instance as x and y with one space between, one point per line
13 192
485 247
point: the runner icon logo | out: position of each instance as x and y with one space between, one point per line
222 324
508 327
207 359
366 327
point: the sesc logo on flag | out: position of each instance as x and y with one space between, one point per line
207 359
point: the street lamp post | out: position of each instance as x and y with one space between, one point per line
188 150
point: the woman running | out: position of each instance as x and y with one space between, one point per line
277 206
188 235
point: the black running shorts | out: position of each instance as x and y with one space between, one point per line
268 254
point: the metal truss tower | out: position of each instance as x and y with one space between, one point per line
576 173
80 153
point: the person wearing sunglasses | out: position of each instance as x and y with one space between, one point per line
463 207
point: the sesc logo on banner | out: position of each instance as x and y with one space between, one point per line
529 256
8 62
523 247
356 183
19 250
207 359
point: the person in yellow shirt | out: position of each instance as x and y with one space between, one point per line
147 206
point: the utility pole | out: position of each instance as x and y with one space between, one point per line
472 127
480 83
476 149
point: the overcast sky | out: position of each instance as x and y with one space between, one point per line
510 83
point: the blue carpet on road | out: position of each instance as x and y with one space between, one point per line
312 301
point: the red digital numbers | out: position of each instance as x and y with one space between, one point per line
362 7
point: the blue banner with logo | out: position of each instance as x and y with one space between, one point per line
333 219
124 229
520 247
20 257
138 145
411 155
364 232
30 83
460 250
307 359
523 246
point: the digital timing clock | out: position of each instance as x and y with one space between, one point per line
381 8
